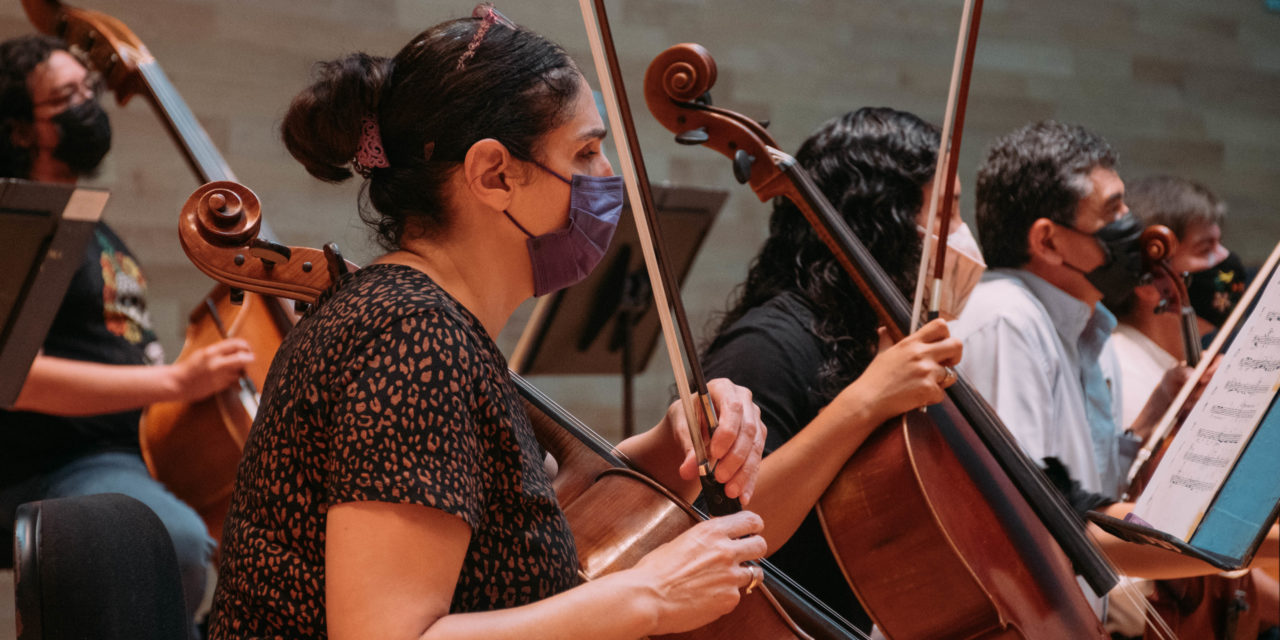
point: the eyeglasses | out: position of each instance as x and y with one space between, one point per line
488 17
90 87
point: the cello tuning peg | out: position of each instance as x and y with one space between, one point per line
742 162
269 252
693 136
336 263
237 296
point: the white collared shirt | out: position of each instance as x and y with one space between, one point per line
1028 349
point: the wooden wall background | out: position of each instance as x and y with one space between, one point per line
1182 86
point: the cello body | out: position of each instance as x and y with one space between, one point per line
948 527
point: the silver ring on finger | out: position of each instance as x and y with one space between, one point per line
949 377
757 577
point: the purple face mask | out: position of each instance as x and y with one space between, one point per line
565 257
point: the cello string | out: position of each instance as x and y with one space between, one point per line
1157 625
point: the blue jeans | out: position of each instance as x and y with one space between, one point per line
120 472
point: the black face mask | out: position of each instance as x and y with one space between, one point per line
84 136
1117 276
1214 292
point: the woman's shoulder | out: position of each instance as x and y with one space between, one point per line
384 295
387 302
781 326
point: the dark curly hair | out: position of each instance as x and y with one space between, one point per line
872 164
1039 171
515 87
18 58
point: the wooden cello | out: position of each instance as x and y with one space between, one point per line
616 514
938 511
193 447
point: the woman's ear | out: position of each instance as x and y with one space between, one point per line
1042 242
487 169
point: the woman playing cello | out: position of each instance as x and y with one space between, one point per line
803 339
391 485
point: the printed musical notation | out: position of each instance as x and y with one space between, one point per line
1194 484
1235 413
1268 339
1245 388
1218 437
1260 364
1208 461
1220 425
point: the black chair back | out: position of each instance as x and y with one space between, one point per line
99 566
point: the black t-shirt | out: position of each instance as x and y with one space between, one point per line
389 391
772 351
103 318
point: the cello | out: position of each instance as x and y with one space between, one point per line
971 504
192 448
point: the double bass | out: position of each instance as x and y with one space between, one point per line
191 447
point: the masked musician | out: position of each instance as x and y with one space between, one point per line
802 337
73 429
1148 343
391 486
1059 240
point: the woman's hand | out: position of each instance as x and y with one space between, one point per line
698 576
907 375
737 445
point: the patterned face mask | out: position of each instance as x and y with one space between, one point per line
1215 291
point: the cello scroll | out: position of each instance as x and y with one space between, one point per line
219 230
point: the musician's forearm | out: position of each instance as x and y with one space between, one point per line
65 387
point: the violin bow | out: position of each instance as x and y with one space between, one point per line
948 163
690 382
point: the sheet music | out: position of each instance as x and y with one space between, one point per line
1219 426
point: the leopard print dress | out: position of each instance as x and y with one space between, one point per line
391 391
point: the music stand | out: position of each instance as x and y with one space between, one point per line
606 324
46 228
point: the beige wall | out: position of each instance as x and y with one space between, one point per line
1183 86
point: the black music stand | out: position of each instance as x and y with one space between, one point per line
45 228
606 324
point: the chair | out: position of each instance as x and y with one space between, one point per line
98 566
